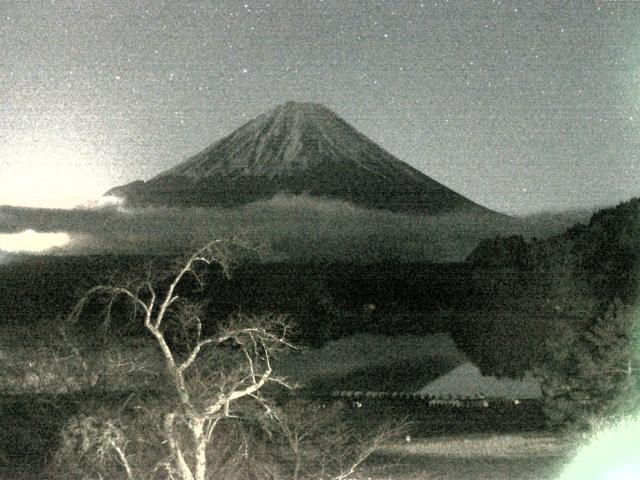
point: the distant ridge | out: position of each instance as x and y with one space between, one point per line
297 148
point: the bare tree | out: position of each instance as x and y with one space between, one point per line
321 444
205 384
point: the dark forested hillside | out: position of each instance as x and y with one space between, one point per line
589 277
602 254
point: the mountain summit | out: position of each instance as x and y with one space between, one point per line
296 148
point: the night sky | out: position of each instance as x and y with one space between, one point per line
520 106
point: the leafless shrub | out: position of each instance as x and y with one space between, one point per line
320 443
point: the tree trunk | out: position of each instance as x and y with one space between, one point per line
176 451
296 470
200 442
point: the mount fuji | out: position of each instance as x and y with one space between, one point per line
297 148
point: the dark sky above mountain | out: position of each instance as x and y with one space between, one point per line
520 106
